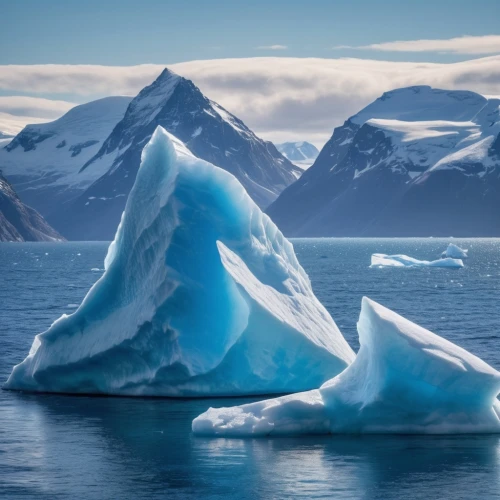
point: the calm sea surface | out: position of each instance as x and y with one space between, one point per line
82 447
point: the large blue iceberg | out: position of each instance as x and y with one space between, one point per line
405 379
202 295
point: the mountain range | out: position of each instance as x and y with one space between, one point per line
418 161
91 155
301 153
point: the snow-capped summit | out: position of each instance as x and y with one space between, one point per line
43 161
210 132
141 111
417 161
301 154
422 103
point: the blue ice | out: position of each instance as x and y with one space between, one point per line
201 296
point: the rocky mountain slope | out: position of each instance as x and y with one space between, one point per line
210 132
19 222
416 162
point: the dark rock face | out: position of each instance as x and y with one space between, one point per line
19 222
76 149
27 139
208 130
398 169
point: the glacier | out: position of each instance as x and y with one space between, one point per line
201 296
455 252
382 260
405 379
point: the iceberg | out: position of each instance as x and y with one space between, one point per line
455 252
382 260
405 379
201 296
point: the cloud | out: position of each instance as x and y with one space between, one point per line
18 111
272 47
280 98
11 125
487 44
306 98
34 106
79 79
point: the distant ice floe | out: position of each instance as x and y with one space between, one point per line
405 379
382 260
455 252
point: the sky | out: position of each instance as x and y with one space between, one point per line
249 55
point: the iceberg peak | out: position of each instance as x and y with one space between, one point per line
455 252
201 296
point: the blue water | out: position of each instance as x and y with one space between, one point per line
81 447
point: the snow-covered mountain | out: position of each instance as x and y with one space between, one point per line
211 133
301 154
416 162
43 161
19 222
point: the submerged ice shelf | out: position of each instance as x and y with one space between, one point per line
202 295
405 379
383 260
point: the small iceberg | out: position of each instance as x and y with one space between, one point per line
201 296
455 252
382 260
405 379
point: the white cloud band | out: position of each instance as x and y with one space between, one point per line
487 44
34 106
280 98
272 47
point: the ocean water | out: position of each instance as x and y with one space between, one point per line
95 447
